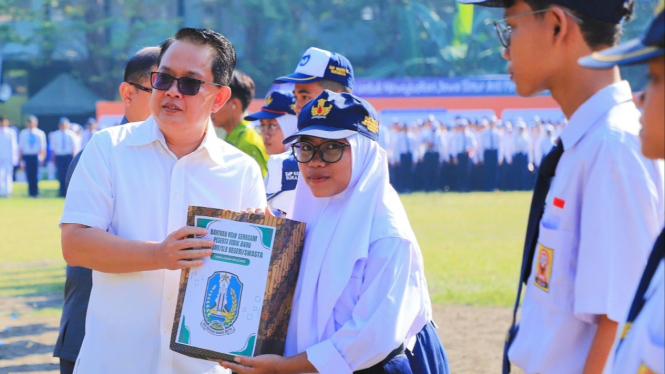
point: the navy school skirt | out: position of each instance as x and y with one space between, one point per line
427 357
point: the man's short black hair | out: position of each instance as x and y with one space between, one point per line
597 33
139 66
224 55
242 88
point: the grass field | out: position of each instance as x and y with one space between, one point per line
471 244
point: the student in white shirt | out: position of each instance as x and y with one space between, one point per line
8 157
128 224
598 203
361 300
278 121
64 146
640 341
32 147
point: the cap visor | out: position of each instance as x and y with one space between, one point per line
321 131
297 78
629 53
262 115
489 3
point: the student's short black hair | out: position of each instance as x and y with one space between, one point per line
242 88
139 66
333 86
224 55
597 33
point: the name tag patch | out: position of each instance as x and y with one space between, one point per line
543 267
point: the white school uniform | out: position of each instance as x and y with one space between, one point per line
130 316
361 290
8 159
643 349
32 142
603 213
64 143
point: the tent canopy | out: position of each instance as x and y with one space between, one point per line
64 96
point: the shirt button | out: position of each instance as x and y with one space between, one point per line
166 331
170 297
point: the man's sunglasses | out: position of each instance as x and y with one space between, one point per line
186 85
139 87
504 31
330 152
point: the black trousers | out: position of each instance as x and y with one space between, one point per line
521 165
66 366
31 170
405 181
491 170
430 171
463 172
62 165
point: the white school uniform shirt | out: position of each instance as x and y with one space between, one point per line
644 346
507 148
603 213
462 142
8 146
442 145
488 140
64 143
543 147
32 141
406 143
130 184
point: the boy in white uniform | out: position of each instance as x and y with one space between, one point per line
597 205
8 157
278 121
640 342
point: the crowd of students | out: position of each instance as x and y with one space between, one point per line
485 154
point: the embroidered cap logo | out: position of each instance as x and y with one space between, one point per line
371 124
321 110
268 100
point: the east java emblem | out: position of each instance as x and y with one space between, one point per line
221 303
544 267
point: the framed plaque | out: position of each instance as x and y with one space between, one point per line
239 301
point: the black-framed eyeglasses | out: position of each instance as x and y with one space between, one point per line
504 31
139 87
186 85
330 151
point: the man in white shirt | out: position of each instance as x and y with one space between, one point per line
64 145
128 224
462 146
597 206
8 157
32 147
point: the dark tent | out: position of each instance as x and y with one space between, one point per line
63 97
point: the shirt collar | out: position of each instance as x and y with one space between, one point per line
149 132
590 112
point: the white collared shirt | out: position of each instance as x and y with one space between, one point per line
129 183
8 146
644 345
603 213
32 141
63 143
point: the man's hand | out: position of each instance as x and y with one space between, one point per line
174 252
262 211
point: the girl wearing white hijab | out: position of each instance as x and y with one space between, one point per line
278 121
361 303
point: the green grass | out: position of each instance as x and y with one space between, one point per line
471 244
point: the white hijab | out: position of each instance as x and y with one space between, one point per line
289 124
339 232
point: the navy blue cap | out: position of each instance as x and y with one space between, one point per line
317 64
650 45
277 104
335 116
607 10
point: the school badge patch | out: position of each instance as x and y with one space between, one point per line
643 369
220 305
543 266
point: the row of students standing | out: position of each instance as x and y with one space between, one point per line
467 156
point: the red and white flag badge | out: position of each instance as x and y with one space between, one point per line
559 203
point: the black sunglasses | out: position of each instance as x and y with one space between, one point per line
186 85
139 87
330 152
